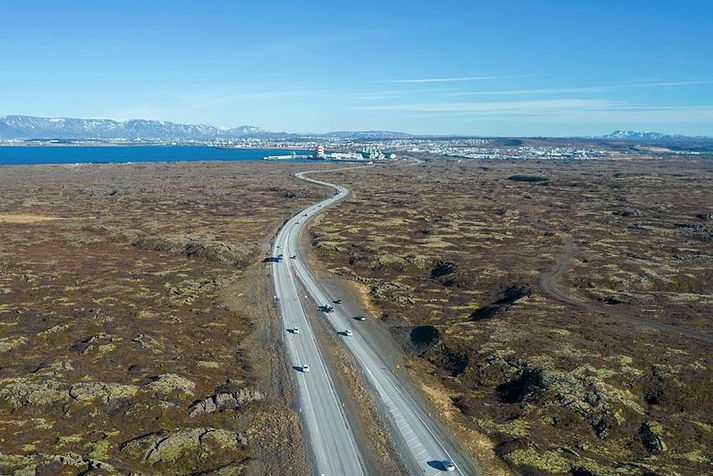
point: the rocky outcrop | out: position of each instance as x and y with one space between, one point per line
628 212
222 401
40 464
424 337
186 292
454 361
101 391
442 268
528 178
651 434
9 343
582 394
510 297
22 391
196 450
700 232
199 245
147 342
99 344
171 384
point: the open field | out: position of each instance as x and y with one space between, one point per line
563 309
134 333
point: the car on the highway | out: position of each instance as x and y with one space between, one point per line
326 308
295 330
305 368
360 318
448 465
348 333
337 301
293 257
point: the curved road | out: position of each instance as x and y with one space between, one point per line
333 447
423 443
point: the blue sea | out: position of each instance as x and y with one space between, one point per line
30 155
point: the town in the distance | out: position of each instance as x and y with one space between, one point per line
346 146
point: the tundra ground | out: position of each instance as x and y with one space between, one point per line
134 334
563 309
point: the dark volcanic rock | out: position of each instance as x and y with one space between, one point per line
454 361
526 386
528 178
199 245
511 296
572 398
423 337
443 268
651 434
628 212
187 451
222 401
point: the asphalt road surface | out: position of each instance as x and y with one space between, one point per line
422 442
331 440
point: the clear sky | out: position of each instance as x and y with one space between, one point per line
518 67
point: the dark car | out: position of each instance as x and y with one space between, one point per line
337 301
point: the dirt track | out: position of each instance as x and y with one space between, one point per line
549 283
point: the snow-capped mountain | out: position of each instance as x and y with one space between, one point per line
639 135
29 127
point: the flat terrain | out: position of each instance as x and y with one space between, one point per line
134 333
561 309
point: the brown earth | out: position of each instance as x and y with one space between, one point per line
561 308
134 333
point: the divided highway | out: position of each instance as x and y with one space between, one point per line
331 440
423 445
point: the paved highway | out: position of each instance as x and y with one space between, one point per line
423 445
331 440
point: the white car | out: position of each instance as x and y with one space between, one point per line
449 465
348 333
305 368
295 330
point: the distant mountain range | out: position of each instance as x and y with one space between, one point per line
646 136
29 127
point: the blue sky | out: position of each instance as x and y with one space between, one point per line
536 67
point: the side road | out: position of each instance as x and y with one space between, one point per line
549 283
